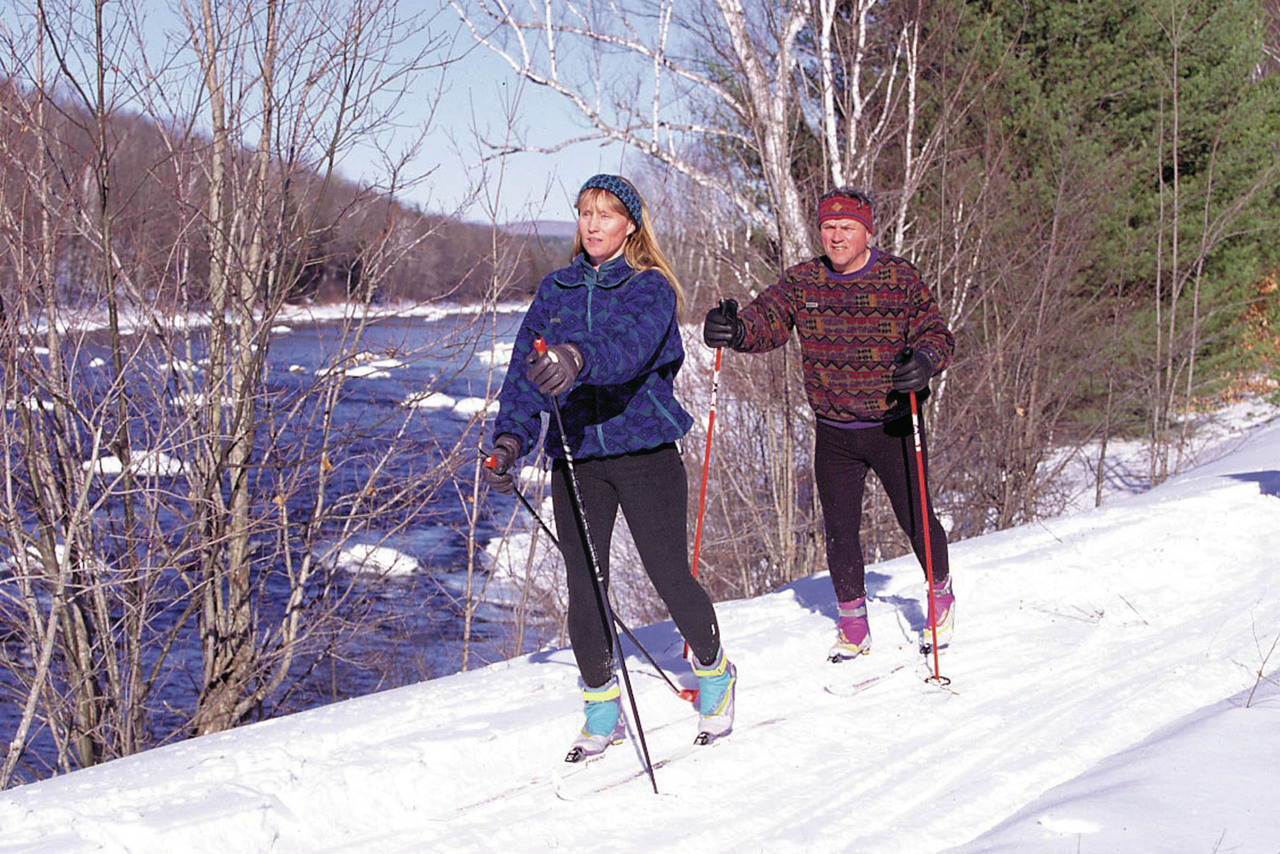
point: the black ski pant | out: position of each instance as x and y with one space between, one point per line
651 489
841 459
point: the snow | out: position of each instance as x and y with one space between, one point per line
499 355
432 400
469 406
141 317
1113 688
362 558
465 407
180 366
363 366
147 463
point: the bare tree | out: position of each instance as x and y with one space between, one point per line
577 50
172 515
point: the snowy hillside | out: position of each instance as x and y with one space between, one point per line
1106 696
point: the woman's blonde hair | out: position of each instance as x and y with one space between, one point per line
642 250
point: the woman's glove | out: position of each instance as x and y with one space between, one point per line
496 468
554 370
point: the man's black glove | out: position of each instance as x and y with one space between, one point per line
496 468
912 372
722 328
554 370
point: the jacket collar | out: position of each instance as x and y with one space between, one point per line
611 273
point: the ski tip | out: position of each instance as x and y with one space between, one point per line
704 737
926 642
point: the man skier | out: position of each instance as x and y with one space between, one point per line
870 335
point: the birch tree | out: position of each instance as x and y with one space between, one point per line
957 114
634 72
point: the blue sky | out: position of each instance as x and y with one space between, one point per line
480 94
476 95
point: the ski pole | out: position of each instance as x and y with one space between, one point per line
490 463
706 466
924 520
602 595
687 694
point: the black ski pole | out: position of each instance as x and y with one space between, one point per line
602 596
688 694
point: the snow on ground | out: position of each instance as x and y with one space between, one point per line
143 318
1113 689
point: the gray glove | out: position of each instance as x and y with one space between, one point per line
496 468
554 370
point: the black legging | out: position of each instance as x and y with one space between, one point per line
651 489
841 459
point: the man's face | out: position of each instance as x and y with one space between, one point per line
844 241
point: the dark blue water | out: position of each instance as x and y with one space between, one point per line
392 630
419 614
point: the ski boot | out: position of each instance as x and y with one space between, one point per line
944 608
717 685
853 637
604 725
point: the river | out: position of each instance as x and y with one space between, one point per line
407 588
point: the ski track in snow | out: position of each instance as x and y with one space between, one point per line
1076 639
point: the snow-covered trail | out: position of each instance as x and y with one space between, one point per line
1076 639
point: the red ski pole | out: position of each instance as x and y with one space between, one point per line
928 550
706 467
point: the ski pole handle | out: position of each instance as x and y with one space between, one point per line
487 460
539 345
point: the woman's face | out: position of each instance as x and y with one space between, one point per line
603 228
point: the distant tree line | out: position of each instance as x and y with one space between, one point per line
445 257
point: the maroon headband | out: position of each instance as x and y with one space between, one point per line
840 207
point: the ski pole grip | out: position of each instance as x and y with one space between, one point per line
486 460
539 345
905 356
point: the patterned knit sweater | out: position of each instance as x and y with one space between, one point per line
851 328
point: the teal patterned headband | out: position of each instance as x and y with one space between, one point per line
621 188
